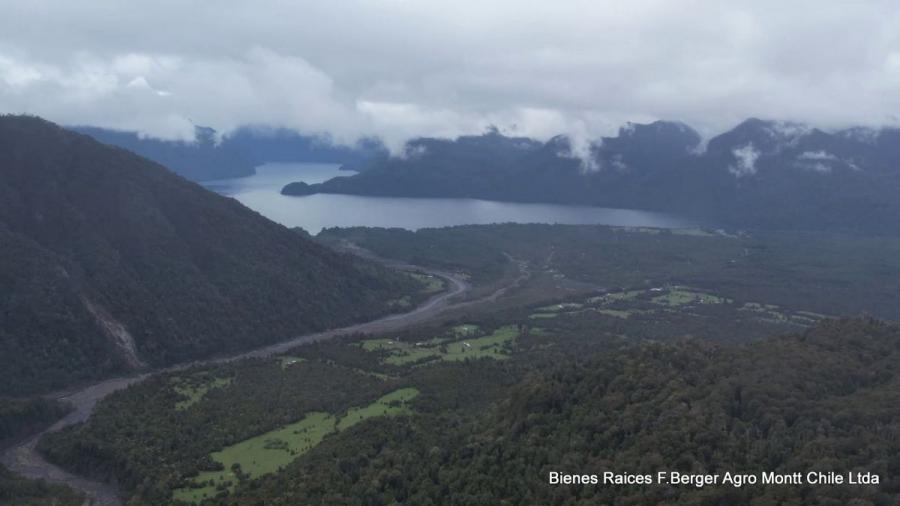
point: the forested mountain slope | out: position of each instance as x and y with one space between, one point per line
822 400
200 159
109 261
236 154
761 174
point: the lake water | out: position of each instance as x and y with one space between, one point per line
261 192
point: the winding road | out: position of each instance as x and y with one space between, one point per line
23 458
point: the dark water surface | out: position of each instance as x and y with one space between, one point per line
261 192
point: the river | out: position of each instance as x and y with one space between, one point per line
23 458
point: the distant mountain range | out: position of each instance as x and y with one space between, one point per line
764 174
108 261
237 153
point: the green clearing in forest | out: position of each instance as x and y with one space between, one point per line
492 346
405 354
627 295
392 404
433 284
615 312
624 304
682 297
466 329
269 452
195 392
555 308
776 314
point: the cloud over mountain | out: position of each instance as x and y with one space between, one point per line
400 69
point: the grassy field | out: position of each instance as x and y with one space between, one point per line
618 313
194 392
430 285
835 274
433 284
491 346
627 295
406 354
681 296
269 452
451 349
392 404
686 300
555 308
466 329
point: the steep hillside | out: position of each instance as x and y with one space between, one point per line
237 154
265 144
202 159
109 261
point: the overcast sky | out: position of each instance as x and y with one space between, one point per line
402 68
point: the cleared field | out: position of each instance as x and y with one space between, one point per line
673 299
615 312
271 451
776 314
194 392
466 329
681 296
555 308
405 354
627 295
492 346
433 284
392 404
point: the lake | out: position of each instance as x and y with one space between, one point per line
261 192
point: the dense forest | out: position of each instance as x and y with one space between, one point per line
17 491
484 431
825 399
109 262
760 174
199 159
20 417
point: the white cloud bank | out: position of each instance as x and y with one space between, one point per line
403 68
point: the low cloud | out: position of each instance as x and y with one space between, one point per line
745 161
818 161
399 69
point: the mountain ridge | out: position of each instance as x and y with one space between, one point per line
760 174
110 261
209 156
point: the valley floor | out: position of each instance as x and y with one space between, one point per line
522 304
24 460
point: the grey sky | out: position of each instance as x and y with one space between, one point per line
401 68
